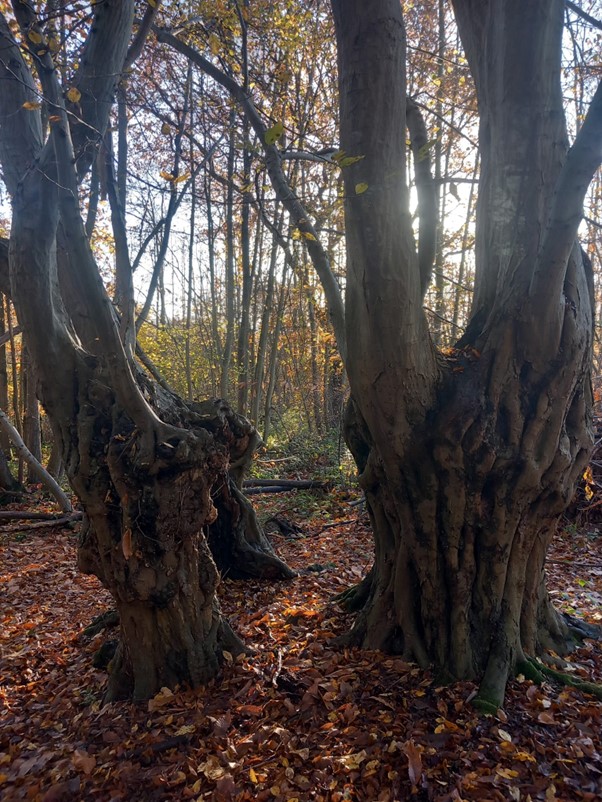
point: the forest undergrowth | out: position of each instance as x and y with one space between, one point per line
298 719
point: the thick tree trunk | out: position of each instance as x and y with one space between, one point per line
462 527
148 530
467 459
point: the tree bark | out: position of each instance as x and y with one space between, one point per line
143 463
467 460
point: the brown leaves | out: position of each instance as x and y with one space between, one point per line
164 697
297 720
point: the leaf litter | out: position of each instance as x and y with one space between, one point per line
298 720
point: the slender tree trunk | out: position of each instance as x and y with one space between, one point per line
7 480
191 259
230 270
32 433
242 354
265 325
4 440
315 373
216 341
273 362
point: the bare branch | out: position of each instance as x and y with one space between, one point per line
584 15
582 161
273 161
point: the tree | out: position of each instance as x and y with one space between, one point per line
468 458
148 468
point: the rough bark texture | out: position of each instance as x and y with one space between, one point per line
466 460
144 464
145 540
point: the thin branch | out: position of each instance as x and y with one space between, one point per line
273 161
443 319
584 15
593 223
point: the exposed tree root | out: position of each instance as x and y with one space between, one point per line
110 618
485 706
582 629
354 598
538 671
238 544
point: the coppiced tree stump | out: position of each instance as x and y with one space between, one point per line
145 465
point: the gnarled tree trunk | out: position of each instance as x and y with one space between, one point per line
467 459
144 464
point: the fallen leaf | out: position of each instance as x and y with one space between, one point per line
82 761
414 756
160 700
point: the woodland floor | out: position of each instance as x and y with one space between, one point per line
299 720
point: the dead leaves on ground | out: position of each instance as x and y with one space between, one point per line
300 720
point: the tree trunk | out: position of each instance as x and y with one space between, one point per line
148 535
468 458
4 441
7 480
32 431
145 541
142 462
461 529
226 357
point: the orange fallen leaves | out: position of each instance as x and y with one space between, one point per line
299 720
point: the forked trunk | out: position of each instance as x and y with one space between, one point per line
467 458
463 523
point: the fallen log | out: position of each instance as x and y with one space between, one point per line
253 491
49 518
287 484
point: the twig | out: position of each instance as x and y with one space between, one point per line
577 564
162 746
301 484
278 668
336 523
21 515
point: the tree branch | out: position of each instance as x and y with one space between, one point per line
584 15
582 161
282 188
427 195
145 27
